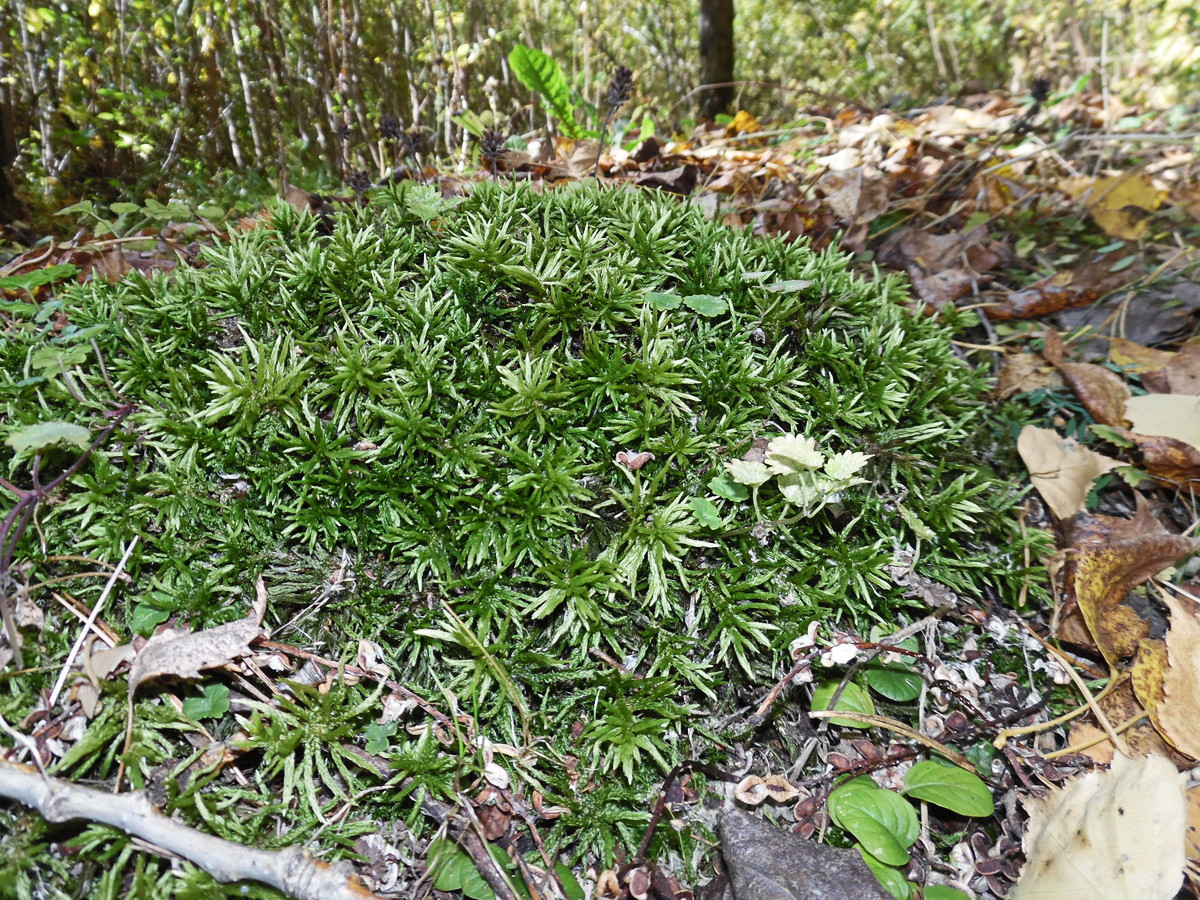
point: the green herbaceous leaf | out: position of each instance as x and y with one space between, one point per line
212 705
891 878
706 512
146 617
663 301
883 822
43 434
30 280
789 287
540 73
790 454
570 884
949 787
377 737
943 892
748 472
852 699
804 489
51 360
843 466
723 485
895 681
707 304
452 869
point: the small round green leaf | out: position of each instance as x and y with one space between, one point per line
451 869
145 618
43 434
723 485
853 699
663 301
896 682
883 822
705 512
707 304
949 787
213 705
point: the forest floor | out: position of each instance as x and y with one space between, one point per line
1073 232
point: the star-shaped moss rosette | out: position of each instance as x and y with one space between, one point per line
807 477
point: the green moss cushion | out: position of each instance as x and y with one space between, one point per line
461 395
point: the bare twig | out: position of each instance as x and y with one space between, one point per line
91 620
291 870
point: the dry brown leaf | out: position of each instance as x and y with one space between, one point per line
1101 391
855 196
1089 528
1193 825
1115 835
1105 576
1061 470
1135 357
1176 715
183 654
1174 464
1166 415
1121 204
1025 372
1063 290
1183 371
1121 707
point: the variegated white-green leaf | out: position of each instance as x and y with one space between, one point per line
749 473
793 453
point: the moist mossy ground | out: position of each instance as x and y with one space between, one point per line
439 389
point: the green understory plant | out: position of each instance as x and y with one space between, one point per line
525 418
884 824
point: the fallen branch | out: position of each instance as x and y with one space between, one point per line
290 870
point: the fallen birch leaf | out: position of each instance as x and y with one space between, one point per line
1115 835
1166 415
1105 576
1061 470
1183 371
1135 357
1176 717
1119 204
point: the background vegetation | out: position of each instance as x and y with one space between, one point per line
98 95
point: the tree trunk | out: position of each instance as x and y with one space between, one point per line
716 56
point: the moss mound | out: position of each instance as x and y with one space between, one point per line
442 389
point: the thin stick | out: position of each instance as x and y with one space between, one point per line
91 621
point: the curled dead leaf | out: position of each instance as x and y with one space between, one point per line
183 654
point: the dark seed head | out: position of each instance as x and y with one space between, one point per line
359 181
413 142
620 88
492 142
1040 89
341 131
389 128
